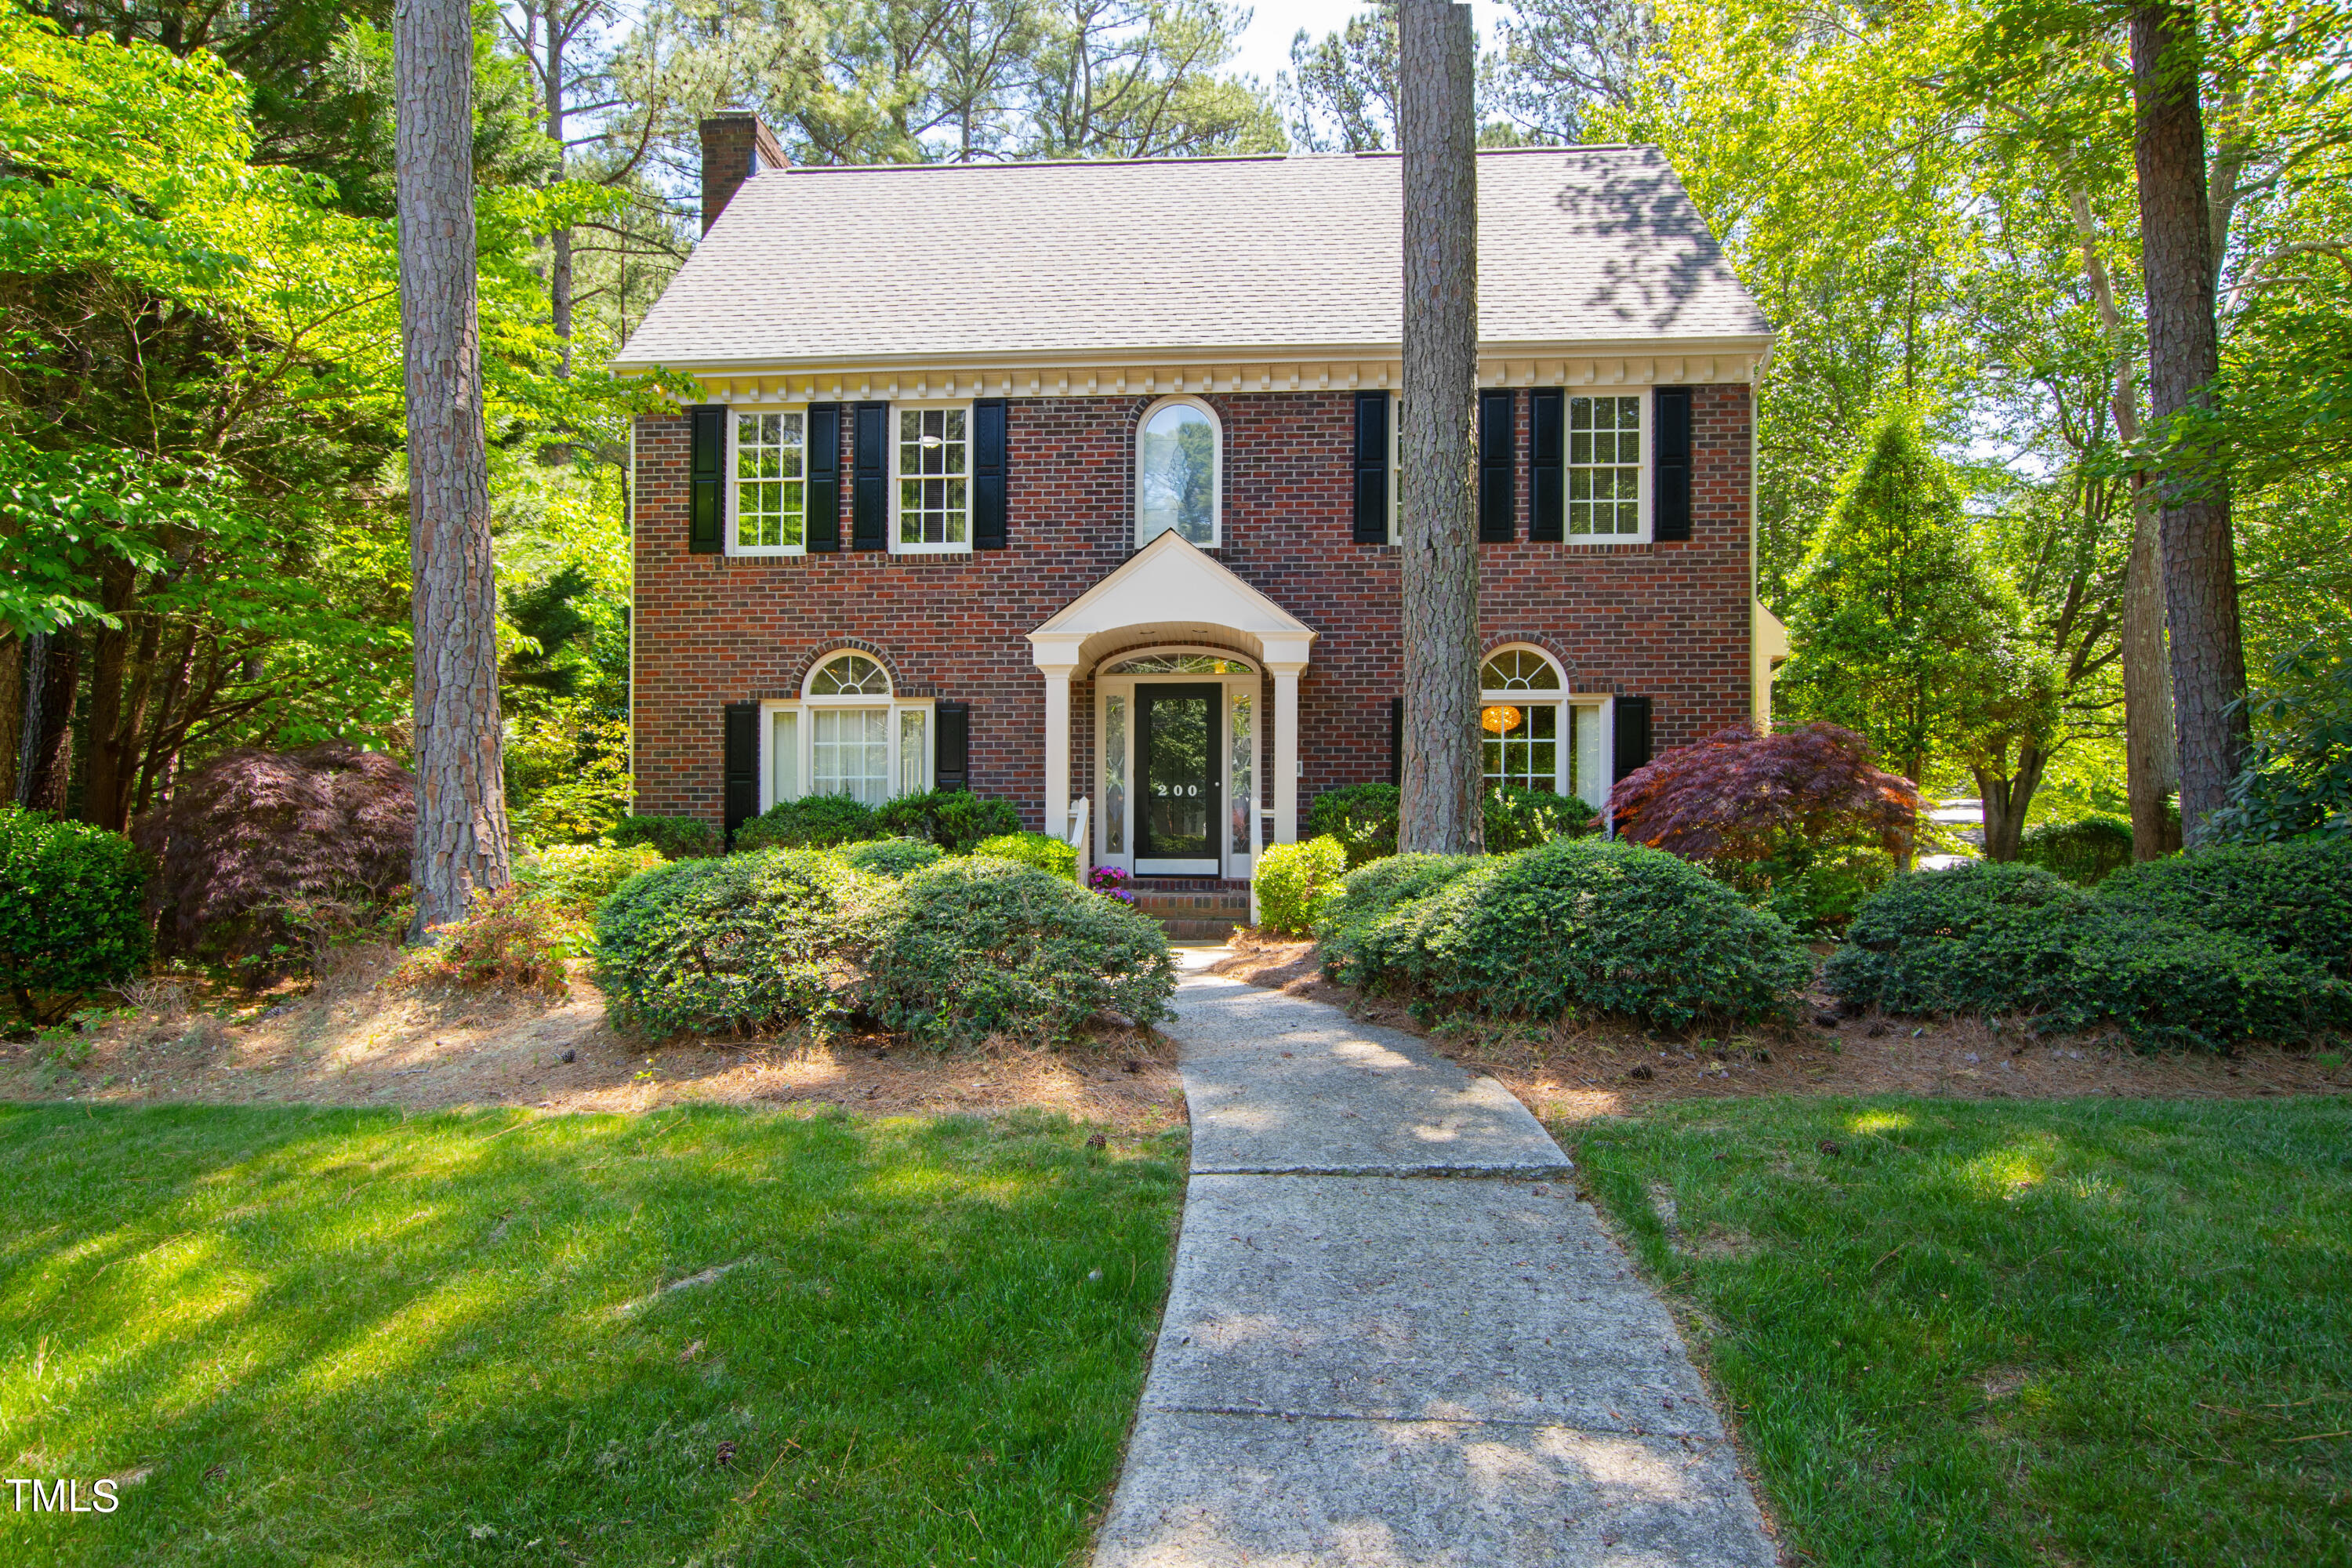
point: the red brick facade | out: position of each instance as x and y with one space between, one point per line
1669 621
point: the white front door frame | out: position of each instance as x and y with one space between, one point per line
1118 784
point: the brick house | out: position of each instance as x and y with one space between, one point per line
1072 483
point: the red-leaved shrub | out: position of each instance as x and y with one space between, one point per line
255 833
1741 795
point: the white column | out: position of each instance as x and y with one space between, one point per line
1057 749
1286 751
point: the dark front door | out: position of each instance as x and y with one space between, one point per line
1176 742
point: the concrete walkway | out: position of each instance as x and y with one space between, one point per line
1363 1366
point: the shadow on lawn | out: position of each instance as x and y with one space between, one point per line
357 1336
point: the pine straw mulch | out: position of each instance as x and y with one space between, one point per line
355 1039
1583 1071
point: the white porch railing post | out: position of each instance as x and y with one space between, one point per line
1057 749
1079 828
1286 752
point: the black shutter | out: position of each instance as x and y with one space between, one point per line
951 746
869 508
1633 735
1547 514
1372 467
1670 515
988 474
1396 741
824 478
1499 467
743 767
707 480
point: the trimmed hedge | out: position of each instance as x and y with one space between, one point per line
2294 896
980 947
1294 882
1368 896
1037 850
1577 925
72 911
2017 940
954 819
677 837
889 856
737 943
811 822
2082 852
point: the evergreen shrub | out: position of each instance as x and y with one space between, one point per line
737 943
1523 818
576 878
677 837
954 819
1361 817
2294 896
72 915
1580 925
1038 851
1368 896
2082 852
889 856
811 822
1294 882
981 947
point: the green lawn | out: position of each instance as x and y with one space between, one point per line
2079 1332
356 1337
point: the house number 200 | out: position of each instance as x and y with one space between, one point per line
1164 791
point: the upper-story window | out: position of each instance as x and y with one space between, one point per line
1605 444
1179 473
931 464
770 509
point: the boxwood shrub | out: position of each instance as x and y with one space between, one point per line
1523 818
811 822
1294 882
981 947
2294 896
1366 897
889 856
72 914
1580 925
954 819
738 943
2082 852
677 837
1361 817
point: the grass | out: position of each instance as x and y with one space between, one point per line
2074 1333
339 1337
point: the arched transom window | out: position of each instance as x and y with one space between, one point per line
1179 473
848 735
850 675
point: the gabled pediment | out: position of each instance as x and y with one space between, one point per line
1171 590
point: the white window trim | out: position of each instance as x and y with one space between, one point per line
1216 489
971 453
1251 679
1647 465
805 740
1600 706
734 499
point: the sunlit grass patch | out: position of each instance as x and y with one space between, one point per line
2088 1333
349 1337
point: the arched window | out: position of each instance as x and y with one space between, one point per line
1533 735
1179 473
846 735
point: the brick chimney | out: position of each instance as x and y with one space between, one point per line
735 146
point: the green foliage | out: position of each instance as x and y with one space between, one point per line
1814 889
2299 778
1995 939
1294 882
1582 925
1041 851
811 822
576 878
1362 817
677 837
1523 818
2295 897
71 914
509 939
1367 897
736 943
981 948
954 819
889 856
2082 851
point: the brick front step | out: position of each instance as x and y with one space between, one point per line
1193 909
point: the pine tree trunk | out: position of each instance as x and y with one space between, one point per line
461 820
2200 577
11 713
1436 438
2151 764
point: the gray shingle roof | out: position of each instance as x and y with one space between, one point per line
809 266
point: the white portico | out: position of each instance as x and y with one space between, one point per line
1177 645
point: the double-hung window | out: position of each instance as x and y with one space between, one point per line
770 470
848 734
1604 461
931 466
